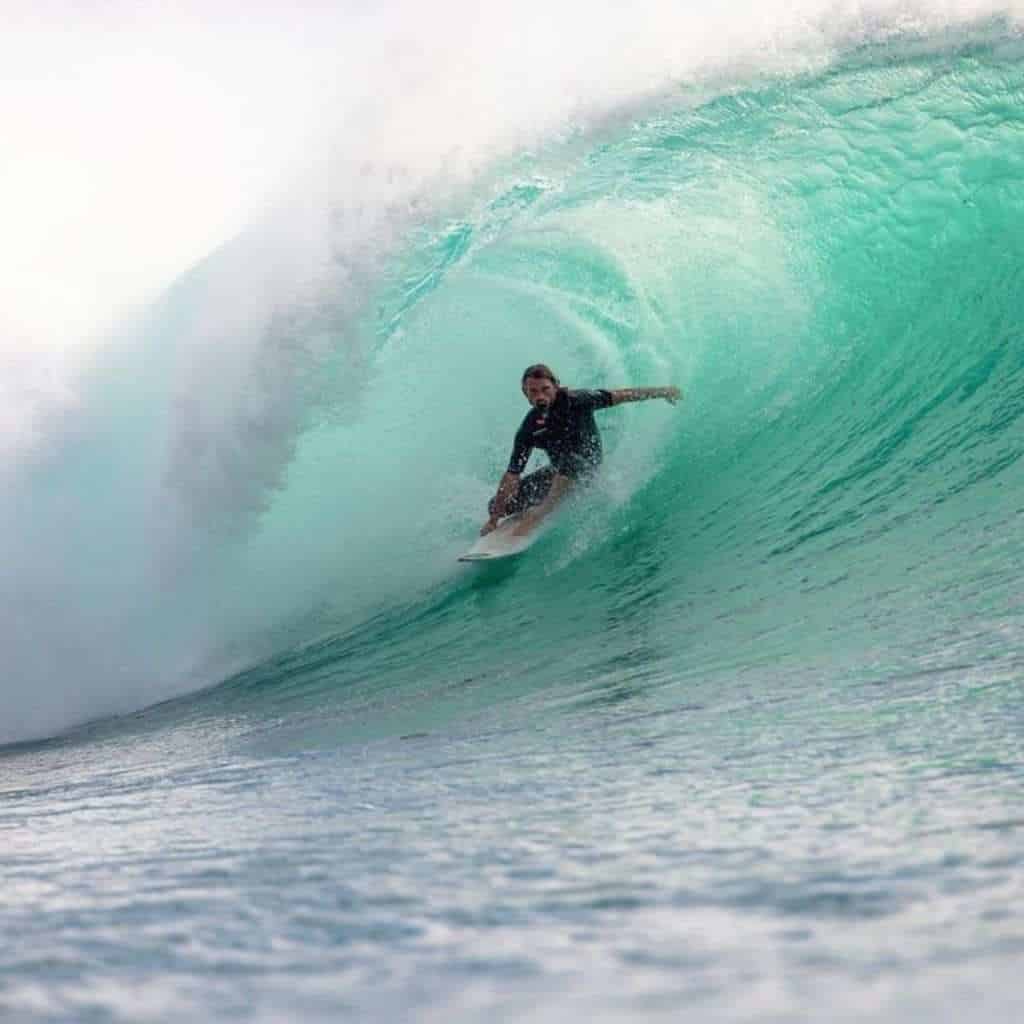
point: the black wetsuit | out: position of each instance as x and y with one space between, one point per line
569 435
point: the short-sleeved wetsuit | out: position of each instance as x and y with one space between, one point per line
569 435
567 432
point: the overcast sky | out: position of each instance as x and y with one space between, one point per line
134 138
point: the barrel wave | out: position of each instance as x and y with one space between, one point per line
829 264
741 732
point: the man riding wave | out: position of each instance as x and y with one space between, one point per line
561 423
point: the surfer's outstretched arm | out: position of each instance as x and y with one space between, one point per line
560 487
670 394
507 490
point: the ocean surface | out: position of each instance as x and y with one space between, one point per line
739 739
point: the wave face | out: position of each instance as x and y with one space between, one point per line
831 265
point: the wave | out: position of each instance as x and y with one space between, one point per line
277 466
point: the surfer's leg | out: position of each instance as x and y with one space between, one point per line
533 489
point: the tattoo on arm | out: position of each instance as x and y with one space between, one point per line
639 394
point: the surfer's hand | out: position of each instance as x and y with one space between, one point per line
491 524
672 395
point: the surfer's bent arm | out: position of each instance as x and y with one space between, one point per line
507 490
509 486
670 394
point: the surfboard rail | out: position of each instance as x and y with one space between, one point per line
500 543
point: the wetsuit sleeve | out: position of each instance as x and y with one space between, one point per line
599 399
521 450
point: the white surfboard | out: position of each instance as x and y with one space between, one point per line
500 543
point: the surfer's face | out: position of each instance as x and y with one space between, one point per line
540 392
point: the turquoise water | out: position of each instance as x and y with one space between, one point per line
738 739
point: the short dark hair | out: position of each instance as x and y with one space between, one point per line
538 371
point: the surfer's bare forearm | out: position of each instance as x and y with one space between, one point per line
507 490
670 394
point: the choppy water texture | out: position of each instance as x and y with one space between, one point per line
739 739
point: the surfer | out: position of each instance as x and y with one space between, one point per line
561 422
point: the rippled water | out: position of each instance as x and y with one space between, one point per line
610 849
